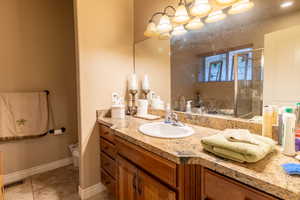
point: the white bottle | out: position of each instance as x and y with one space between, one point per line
168 113
188 108
289 122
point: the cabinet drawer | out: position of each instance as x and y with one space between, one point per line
218 187
163 169
107 133
108 164
108 148
109 182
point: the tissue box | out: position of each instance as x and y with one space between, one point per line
118 112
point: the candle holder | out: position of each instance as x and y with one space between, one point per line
146 92
132 108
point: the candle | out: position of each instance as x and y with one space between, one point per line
132 82
145 84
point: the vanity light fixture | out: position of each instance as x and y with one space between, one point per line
164 24
287 4
181 15
215 16
164 36
195 24
151 30
201 8
188 17
241 6
179 30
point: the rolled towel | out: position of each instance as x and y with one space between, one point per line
238 151
291 168
240 135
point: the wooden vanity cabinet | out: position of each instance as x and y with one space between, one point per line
108 158
127 180
133 173
134 184
142 175
218 187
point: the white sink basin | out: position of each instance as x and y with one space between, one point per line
163 130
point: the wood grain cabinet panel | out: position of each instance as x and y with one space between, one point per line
109 165
108 148
107 133
151 189
108 181
161 168
218 187
126 180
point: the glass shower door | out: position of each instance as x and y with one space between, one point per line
248 84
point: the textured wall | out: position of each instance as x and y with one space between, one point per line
105 59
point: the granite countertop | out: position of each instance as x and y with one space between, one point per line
266 175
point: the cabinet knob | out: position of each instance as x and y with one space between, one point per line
105 132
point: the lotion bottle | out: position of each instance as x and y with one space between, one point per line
289 122
267 122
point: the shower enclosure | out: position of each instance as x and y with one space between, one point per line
248 83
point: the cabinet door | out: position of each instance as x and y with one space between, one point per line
217 187
151 189
126 180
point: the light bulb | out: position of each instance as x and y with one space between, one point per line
215 16
179 30
164 24
241 6
195 24
181 15
226 2
151 30
164 36
287 4
201 8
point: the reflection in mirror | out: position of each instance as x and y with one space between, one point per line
152 57
237 65
220 67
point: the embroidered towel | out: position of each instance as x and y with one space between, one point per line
23 115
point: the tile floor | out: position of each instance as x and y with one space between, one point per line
58 184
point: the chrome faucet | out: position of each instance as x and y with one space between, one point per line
172 118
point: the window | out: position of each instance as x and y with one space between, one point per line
219 68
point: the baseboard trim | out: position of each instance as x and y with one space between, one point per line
22 174
90 191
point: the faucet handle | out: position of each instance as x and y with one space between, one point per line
174 116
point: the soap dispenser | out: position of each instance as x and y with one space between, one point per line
118 107
188 106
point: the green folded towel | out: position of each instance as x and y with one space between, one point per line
238 151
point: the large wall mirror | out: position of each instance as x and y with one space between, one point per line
234 66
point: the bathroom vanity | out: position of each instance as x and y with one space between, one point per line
136 166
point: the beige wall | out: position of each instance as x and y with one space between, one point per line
282 67
37 53
152 57
105 59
